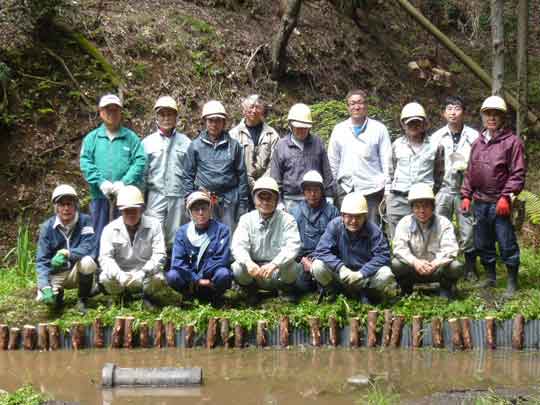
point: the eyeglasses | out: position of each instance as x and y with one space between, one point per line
353 103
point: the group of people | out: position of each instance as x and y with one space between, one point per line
285 214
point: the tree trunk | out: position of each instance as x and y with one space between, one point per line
281 39
497 43
522 67
474 67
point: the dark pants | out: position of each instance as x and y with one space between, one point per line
407 276
490 228
181 281
99 211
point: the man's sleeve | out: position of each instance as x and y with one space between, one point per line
518 169
380 254
134 175
43 259
89 170
240 245
240 166
401 247
327 247
87 245
190 170
291 244
159 252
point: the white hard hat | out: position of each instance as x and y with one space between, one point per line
129 197
166 102
494 103
265 183
197 196
213 108
420 191
300 116
354 203
109 99
63 190
312 176
411 112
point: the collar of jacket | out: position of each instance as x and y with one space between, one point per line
424 141
312 213
265 128
265 223
164 135
291 144
223 138
69 226
499 135
102 132
415 224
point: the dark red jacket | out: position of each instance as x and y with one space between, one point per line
496 168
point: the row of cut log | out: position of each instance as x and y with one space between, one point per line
47 336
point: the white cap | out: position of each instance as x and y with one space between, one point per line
109 99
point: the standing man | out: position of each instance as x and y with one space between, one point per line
296 154
111 157
425 246
265 246
201 254
495 175
353 254
132 252
312 216
360 154
215 163
257 138
66 248
456 138
415 159
166 149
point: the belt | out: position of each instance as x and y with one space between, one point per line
400 193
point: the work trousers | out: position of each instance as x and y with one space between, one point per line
329 278
397 206
132 281
446 204
169 211
181 281
69 279
406 274
100 213
490 229
284 278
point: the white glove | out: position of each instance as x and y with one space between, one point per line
348 276
107 188
330 200
117 186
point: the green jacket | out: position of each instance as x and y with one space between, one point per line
122 159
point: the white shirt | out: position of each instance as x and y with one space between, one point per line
360 163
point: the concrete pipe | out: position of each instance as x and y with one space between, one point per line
113 376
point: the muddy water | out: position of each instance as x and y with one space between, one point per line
272 377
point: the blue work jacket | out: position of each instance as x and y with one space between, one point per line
312 224
82 242
366 251
217 255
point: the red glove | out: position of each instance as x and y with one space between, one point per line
465 205
503 207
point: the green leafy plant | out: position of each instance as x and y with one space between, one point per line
25 395
24 251
379 396
532 206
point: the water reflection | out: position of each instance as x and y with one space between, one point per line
270 376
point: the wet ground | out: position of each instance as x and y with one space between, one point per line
273 377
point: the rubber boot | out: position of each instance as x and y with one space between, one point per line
59 301
470 272
148 303
364 297
288 293
491 275
446 289
405 287
252 294
512 285
85 289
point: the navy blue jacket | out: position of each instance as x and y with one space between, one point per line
367 252
82 242
216 256
312 224
218 168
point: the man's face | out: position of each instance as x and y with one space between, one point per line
423 210
111 115
313 195
166 118
200 213
66 207
300 133
415 129
253 114
492 119
357 106
132 216
215 126
453 114
354 222
266 202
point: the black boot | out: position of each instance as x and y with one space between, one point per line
59 300
447 289
512 285
85 290
288 293
491 275
405 287
470 272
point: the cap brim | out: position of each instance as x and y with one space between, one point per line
108 103
298 124
215 116
407 120
123 207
